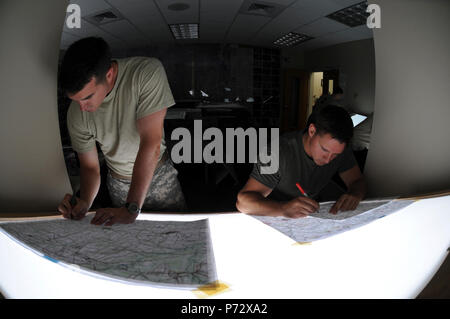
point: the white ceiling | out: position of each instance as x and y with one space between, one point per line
146 23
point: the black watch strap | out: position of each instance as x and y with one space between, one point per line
133 208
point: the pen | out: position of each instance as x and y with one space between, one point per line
301 190
73 202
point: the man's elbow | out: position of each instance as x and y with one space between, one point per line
157 151
90 171
363 182
150 147
241 203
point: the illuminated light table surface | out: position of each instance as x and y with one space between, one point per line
392 257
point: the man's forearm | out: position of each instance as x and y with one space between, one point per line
358 188
143 170
254 203
90 184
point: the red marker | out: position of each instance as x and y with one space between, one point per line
301 190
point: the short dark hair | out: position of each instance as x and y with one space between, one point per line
84 59
333 120
338 90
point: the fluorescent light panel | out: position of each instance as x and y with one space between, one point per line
184 31
352 16
291 39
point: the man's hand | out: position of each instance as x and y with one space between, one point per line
299 207
76 212
357 190
111 216
346 202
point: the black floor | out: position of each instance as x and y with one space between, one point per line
212 187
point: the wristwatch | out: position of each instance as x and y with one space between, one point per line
133 208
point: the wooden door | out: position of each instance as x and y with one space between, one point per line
295 100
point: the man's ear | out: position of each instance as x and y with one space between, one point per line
311 130
110 72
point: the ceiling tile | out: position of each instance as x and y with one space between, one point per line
321 27
245 27
89 30
356 33
347 35
125 31
87 7
315 9
146 18
287 21
218 12
216 16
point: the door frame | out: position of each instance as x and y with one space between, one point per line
289 75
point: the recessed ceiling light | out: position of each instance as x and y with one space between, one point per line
291 39
184 31
352 16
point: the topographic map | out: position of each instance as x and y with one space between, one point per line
363 206
322 224
161 253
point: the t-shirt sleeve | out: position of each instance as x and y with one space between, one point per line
154 89
347 161
80 136
270 180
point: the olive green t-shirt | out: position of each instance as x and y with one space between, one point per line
295 166
141 89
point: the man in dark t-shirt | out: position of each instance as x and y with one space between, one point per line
309 158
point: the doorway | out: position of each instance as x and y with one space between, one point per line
301 91
330 81
321 83
315 89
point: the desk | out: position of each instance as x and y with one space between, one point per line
392 257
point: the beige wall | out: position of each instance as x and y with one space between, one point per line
410 146
33 176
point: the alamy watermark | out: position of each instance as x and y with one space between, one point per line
374 19
73 20
211 146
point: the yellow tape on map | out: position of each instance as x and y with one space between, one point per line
210 289
302 243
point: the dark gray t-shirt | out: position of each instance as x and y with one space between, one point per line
295 166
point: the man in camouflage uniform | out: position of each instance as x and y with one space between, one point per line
121 104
